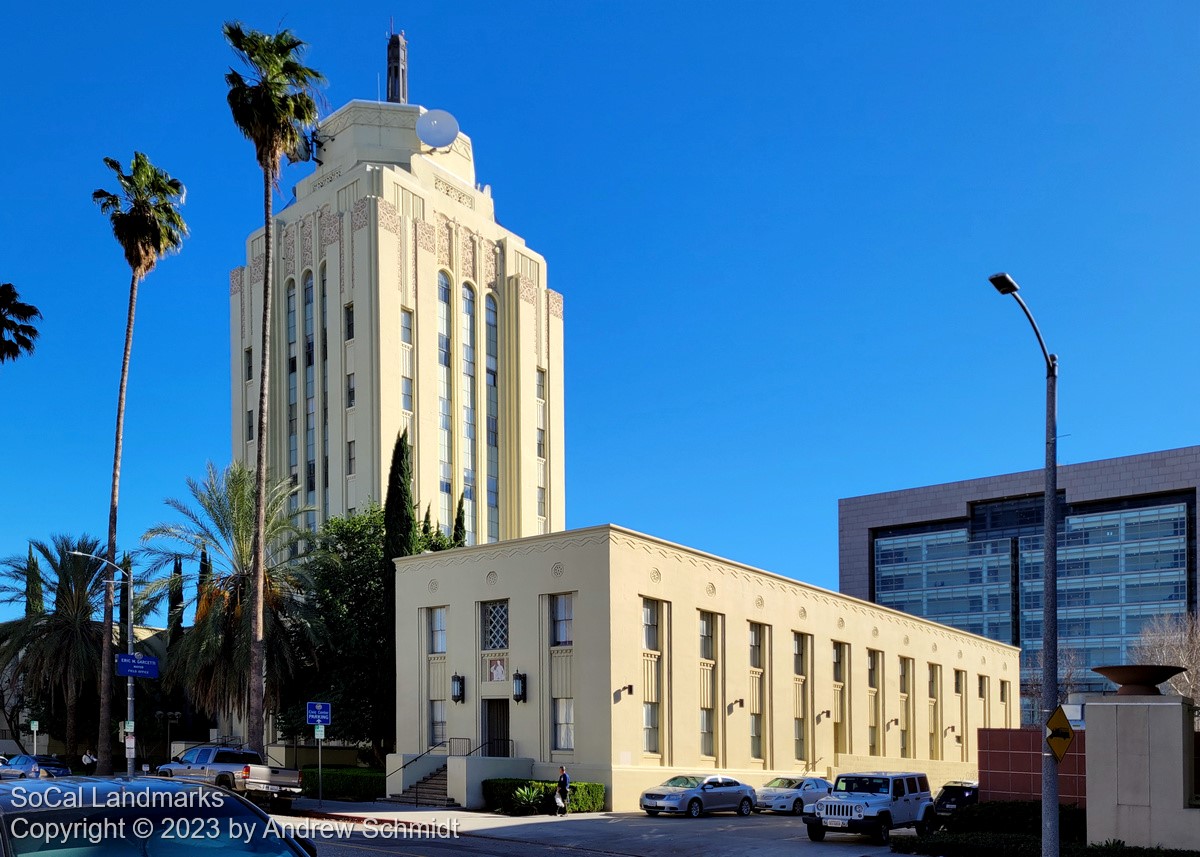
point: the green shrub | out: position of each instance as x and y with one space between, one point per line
345 783
528 800
501 794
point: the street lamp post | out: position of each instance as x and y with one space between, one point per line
129 750
1005 285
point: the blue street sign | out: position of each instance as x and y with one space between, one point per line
320 714
138 666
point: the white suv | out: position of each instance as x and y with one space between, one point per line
875 803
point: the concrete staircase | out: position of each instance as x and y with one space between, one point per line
430 791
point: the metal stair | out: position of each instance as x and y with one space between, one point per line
430 791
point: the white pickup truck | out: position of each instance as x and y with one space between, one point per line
237 769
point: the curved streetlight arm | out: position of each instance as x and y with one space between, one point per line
1051 359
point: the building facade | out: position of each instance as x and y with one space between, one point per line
400 303
969 554
635 659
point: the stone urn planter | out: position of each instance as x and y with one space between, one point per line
1139 679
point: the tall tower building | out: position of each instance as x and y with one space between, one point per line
400 302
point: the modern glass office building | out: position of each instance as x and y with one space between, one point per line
969 554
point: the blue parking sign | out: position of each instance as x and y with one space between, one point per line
320 714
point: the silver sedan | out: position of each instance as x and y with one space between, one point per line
694 796
797 795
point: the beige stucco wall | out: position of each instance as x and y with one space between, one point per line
378 219
1139 771
611 571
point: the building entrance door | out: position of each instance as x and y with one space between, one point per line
495 727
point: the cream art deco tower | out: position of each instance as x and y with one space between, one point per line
400 302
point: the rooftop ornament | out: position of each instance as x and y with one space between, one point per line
1139 679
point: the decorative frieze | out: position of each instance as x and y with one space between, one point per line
389 217
331 227
235 281
443 241
256 268
306 242
328 178
358 219
288 250
488 251
425 236
467 248
458 195
528 289
555 301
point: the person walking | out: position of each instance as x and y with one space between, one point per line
562 795
89 763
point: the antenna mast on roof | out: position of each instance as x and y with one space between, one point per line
397 68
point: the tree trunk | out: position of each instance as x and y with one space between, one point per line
104 739
254 707
72 739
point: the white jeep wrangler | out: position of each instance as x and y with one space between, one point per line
875 804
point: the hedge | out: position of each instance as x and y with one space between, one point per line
345 783
1005 816
585 797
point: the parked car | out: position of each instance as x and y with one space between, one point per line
24 766
952 797
874 803
698 795
797 795
143 815
237 769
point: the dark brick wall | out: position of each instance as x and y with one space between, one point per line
1010 766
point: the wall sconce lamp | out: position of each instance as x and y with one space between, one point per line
895 721
826 713
520 682
740 703
458 688
628 688
949 730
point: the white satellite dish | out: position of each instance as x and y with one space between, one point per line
302 152
437 128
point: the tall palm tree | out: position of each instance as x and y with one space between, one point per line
146 223
17 334
272 108
211 659
56 651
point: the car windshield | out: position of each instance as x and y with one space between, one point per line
130 831
867 785
782 783
683 782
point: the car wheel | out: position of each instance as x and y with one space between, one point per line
225 782
652 812
798 807
22 777
816 832
695 808
166 773
924 826
883 833
745 807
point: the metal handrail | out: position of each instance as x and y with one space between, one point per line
507 743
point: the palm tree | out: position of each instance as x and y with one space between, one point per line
211 659
147 224
17 335
56 651
272 108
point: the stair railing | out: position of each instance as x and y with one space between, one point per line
454 747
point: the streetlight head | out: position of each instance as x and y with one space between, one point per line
1004 284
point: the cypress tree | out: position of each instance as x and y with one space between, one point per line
427 528
35 604
459 536
399 539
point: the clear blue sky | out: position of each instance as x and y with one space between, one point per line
772 222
